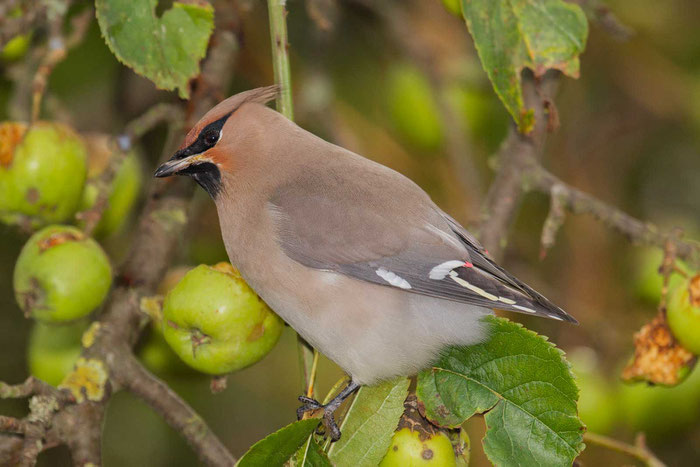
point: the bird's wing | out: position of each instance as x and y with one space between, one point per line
410 245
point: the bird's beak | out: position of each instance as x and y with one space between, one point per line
178 163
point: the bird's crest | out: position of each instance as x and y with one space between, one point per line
228 106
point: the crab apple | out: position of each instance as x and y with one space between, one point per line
158 357
61 275
42 173
647 282
216 323
124 189
16 47
408 449
54 349
683 313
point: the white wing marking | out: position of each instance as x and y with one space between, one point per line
393 279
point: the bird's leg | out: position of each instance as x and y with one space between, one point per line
328 409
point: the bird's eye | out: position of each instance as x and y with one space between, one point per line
211 137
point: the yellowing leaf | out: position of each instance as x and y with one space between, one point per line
512 34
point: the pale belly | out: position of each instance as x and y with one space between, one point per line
372 332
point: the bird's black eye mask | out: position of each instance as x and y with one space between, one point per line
207 139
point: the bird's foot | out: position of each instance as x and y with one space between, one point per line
312 405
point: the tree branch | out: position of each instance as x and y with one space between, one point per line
576 201
175 411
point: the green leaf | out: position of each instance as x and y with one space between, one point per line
166 50
512 34
311 455
369 424
278 447
522 383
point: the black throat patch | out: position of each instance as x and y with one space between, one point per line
207 175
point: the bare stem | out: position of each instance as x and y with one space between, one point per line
280 55
280 63
638 450
58 47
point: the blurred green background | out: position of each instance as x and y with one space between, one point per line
630 134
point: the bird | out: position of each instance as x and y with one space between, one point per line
353 255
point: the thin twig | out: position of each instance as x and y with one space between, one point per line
638 450
553 222
536 177
280 62
31 387
57 50
12 425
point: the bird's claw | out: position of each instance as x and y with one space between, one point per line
310 405
331 427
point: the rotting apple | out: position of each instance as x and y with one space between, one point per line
216 323
408 449
61 275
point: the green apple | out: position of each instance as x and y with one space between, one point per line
42 173
54 349
124 190
158 357
61 275
413 109
407 449
16 47
646 280
597 405
216 323
683 313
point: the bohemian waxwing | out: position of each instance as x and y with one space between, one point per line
353 255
